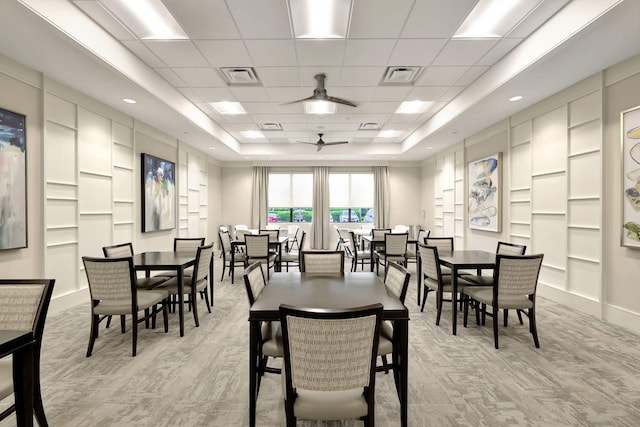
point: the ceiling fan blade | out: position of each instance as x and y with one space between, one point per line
336 142
300 100
340 101
307 142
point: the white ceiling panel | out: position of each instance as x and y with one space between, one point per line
364 53
200 77
471 75
278 76
250 93
320 52
416 51
171 77
424 22
463 52
496 53
204 19
214 94
391 93
378 18
264 19
108 22
224 53
143 52
361 76
426 93
177 53
441 76
272 53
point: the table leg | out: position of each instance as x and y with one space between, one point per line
454 297
401 359
371 254
180 279
23 377
254 336
211 281
419 272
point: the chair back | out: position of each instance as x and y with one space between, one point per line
400 228
254 281
225 242
110 279
204 255
273 234
430 262
322 262
187 244
241 233
505 248
223 228
343 234
24 304
396 279
272 227
442 243
422 235
516 275
301 243
257 245
292 232
353 242
396 244
118 251
330 350
379 233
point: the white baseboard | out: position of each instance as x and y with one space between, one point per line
574 301
72 299
622 317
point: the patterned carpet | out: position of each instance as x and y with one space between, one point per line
586 373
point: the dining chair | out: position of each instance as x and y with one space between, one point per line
270 344
196 283
23 306
330 362
433 279
400 228
357 256
274 234
412 250
378 234
396 280
318 261
343 240
257 249
503 248
515 280
395 249
444 244
292 234
238 258
293 256
188 245
113 291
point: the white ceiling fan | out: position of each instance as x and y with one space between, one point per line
320 143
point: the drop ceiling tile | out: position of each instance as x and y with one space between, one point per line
204 19
177 53
361 76
272 53
463 52
391 93
365 53
258 107
471 75
320 52
356 94
378 18
288 94
191 94
224 53
249 93
451 93
333 79
278 76
171 77
379 107
503 47
214 94
416 51
426 93
106 20
441 76
200 77
146 55
537 17
265 19
436 19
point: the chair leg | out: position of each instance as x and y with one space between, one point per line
134 334
495 326
224 267
108 322
194 303
532 326
465 300
206 299
165 315
519 313
122 323
439 306
505 315
95 319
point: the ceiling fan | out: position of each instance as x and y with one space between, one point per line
321 143
320 94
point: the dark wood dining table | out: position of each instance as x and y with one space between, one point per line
464 260
170 260
273 245
21 345
329 291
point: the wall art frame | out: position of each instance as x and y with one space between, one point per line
13 179
630 153
158 194
485 193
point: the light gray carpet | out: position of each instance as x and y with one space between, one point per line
586 373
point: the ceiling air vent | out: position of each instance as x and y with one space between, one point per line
240 75
369 126
271 126
401 75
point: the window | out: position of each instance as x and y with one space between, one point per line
351 197
290 197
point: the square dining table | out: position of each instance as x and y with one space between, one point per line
335 291
178 261
464 260
20 344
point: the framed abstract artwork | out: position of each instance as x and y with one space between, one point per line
13 180
485 177
158 194
630 138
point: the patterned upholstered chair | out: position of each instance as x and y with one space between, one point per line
126 250
23 306
112 285
444 244
515 281
329 361
322 262
357 256
238 258
395 249
257 249
396 279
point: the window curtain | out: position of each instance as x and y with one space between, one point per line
320 229
260 197
381 196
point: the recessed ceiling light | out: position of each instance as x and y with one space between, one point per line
252 134
413 107
388 133
147 19
129 100
228 107
494 18
319 107
312 19
515 98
